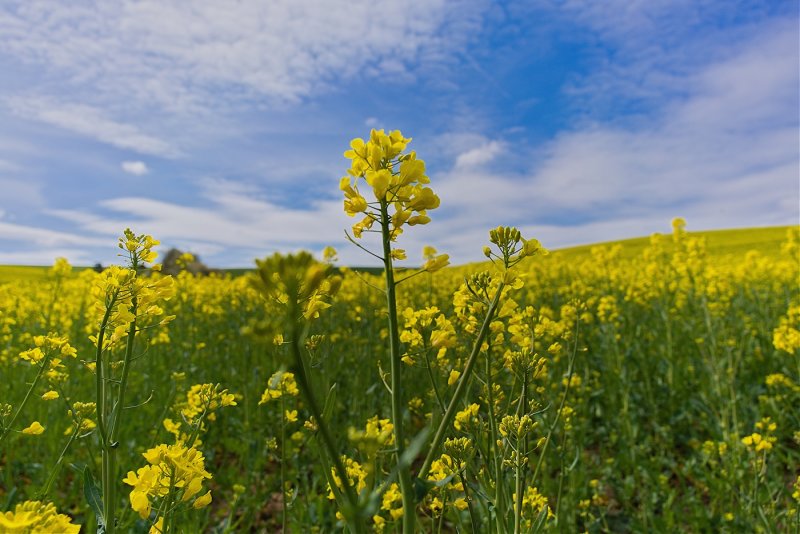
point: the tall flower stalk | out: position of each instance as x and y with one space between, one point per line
303 288
125 302
400 198
398 185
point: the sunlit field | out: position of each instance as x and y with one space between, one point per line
650 385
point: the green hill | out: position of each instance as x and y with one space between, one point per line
719 242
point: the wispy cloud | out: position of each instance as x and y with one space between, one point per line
702 157
45 256
91 122
136 168
480 155
43 237
236 218
20 193
181 56
725 155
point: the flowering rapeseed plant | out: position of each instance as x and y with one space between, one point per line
175 475
36 516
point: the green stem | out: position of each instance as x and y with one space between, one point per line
461 388
42 367
499 498
100 402
112 443
439 401
561 405
404 470
351 514
283 459
169 509
54 471
100 382
472 517
518 487
523 449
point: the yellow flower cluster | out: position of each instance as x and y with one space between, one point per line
786 336
424 329
36 517
138 247
81 413
764 440
49 346
444 474
201 404
466 416
205 399
377 434
280 384
397 180
172 468
122 297
516 427
533 504
356 475
297 281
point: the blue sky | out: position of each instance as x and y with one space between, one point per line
219 127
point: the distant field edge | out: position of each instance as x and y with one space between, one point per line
765 239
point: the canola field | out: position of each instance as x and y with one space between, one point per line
651 386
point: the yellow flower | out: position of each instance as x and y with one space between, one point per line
428 252
329 253
50 395
396 180
392 501
280 384
34 429
756 442
36 516
436 263
171 466
453 378
206 398
203 500
465 416
158 526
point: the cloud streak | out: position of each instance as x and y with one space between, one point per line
91 122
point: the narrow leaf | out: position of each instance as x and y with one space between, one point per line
94 497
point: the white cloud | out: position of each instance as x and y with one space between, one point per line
236 217
18 193
724 156
179 55
137 168
43 237
91 122
45 257
480 155
702 157
7 166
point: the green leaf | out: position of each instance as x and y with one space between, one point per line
330 402
94 496
541 519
